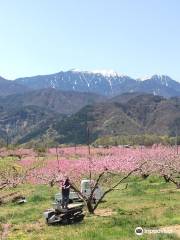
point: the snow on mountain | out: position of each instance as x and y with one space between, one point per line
162 78
148 77
103 72
108 73
104 82
144 78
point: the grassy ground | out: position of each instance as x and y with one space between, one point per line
147 203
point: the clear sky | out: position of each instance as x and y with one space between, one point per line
133 37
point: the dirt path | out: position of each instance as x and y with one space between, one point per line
104 212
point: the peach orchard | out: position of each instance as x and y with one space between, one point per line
106 166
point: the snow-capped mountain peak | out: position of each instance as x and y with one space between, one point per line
105 82
154 76
108 73
146 77
103 72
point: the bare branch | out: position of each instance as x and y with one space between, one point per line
115 185
96 184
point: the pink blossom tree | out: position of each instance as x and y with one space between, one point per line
112 166
162 161
107 167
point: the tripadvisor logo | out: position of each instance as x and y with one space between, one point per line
139 231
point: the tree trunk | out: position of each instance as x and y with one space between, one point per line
166 178
144 176
90 207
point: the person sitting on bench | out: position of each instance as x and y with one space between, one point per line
65 192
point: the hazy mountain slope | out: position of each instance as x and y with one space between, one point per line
102 119
140 114
17 123
165 118
125 97
58 101
8 87
140 108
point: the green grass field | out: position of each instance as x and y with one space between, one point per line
147 203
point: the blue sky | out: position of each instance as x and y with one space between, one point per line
133 37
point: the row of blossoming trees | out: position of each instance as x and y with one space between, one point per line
108 167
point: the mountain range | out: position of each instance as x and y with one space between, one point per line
142 114
32 116
107 83
60 107
8 87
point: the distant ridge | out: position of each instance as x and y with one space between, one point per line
62 117
8 87
103 82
